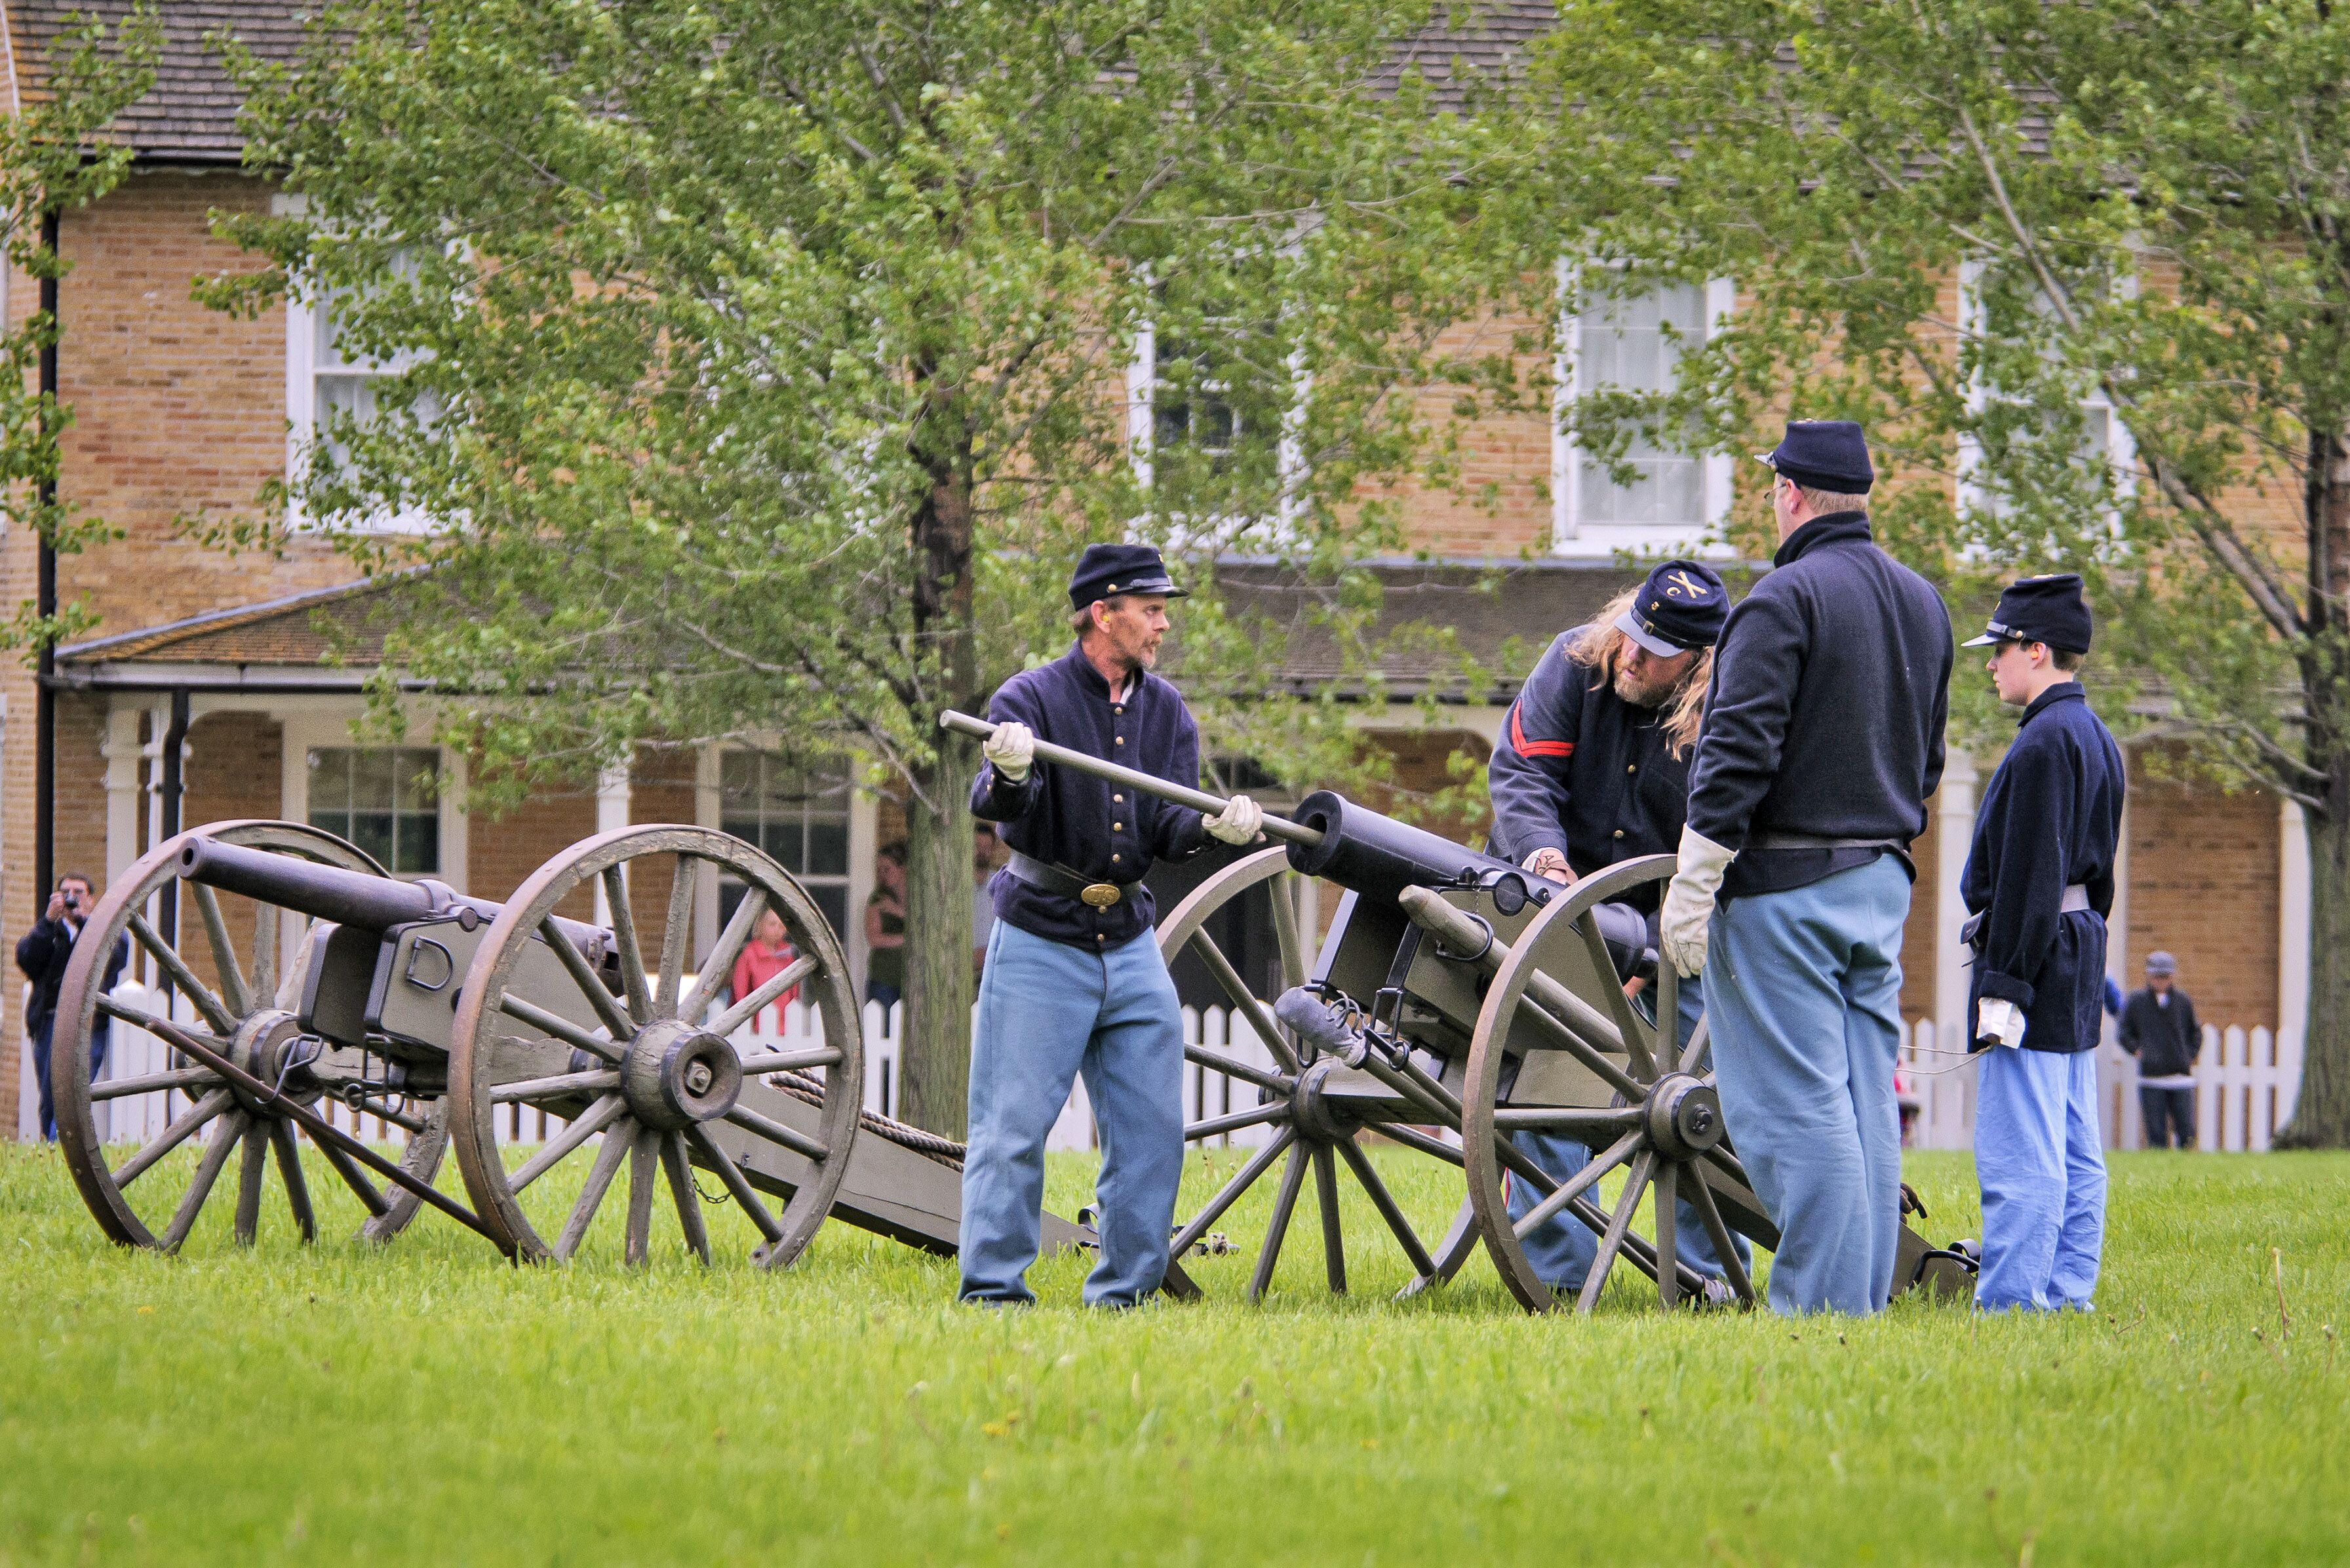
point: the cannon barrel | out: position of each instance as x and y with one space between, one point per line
324 892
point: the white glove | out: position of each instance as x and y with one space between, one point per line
1239 822
1999 1021
1011 750
1689 901
1550 862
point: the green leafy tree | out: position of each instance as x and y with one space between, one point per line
53 158
2085 272
762 368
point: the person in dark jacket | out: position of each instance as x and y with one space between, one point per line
1072 981
2159 1029
42 953
1822 740
2039 882
1593 769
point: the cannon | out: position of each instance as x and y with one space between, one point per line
1454 1002
434 1012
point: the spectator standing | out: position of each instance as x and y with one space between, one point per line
885 929
2158 1027
42 954
768 953
982 901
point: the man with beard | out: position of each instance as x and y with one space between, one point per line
1593 769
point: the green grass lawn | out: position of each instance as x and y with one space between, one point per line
429 1402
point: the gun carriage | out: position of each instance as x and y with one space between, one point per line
1455 994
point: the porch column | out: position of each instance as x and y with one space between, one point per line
1954 822
611 815
2292 920
121 752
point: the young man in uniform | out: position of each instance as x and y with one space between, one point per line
2158 1027
1822 740
1593 769
1073 981
2039 883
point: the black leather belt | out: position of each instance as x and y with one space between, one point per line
1771 839
1051 878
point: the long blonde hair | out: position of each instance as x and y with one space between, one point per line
1600 647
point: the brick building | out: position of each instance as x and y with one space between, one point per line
180 409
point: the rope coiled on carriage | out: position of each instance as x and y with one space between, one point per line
929 1145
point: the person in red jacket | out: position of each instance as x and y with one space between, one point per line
767 954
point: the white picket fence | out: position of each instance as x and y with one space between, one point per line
2245 1083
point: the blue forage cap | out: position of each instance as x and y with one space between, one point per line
1681 607
2041 609
1106 571
1823 454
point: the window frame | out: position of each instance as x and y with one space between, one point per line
842 782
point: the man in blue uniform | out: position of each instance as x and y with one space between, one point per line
2039 883
1822 739
1073 982
1593 769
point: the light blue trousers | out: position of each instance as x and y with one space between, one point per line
1047 1013
1562 1248
2040 1158
1804 990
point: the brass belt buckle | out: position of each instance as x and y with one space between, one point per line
1101 895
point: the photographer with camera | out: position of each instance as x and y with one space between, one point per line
43 954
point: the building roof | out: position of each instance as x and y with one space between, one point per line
188 117
319 639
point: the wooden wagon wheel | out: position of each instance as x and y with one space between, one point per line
1308 1127
666 1092
154 1197
1559 1049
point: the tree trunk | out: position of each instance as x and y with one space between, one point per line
934 1058
2321 1118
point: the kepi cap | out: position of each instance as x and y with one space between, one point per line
2047 609
1681 607
1823 454
1106 571
2161 963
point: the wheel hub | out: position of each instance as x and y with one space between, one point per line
1318 1116
1684 1116
262 1045
676 1075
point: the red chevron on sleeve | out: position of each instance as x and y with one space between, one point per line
1535 748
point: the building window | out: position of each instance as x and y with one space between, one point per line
330 388
385 799
799 815
1214 422
2016 451
1673 494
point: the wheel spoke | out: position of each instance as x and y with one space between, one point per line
1230 1067
718 969
215 1012
383 1111
1667 1036
644 1161
371 1197
1434 1148
1277 1111
600 1115
1268 1029
558 1087
792 1138
624 942
172 1136
1240 1182
148 1083
217 1148
250 1173
618 1140
1389 1209
1619 1006
1668 1275
1285 1203
1575 1186
767 1061
737 1182
289 1171
677 933
140 1018
1576 1046
747 1008
1725 1247
1694 1051
591 984
526 1011
1325 1199
267 920
1612 1242
688 1201
224 964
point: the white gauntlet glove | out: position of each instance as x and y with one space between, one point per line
1689 901
1551 864
1999 1021
1011 750
1239 822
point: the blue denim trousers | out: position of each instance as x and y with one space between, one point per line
42 1033
1047 1013
2041 1160
1804 990
1562 1248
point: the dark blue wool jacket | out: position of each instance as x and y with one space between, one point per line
1830 688
1581 770
1102 832
2052 815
